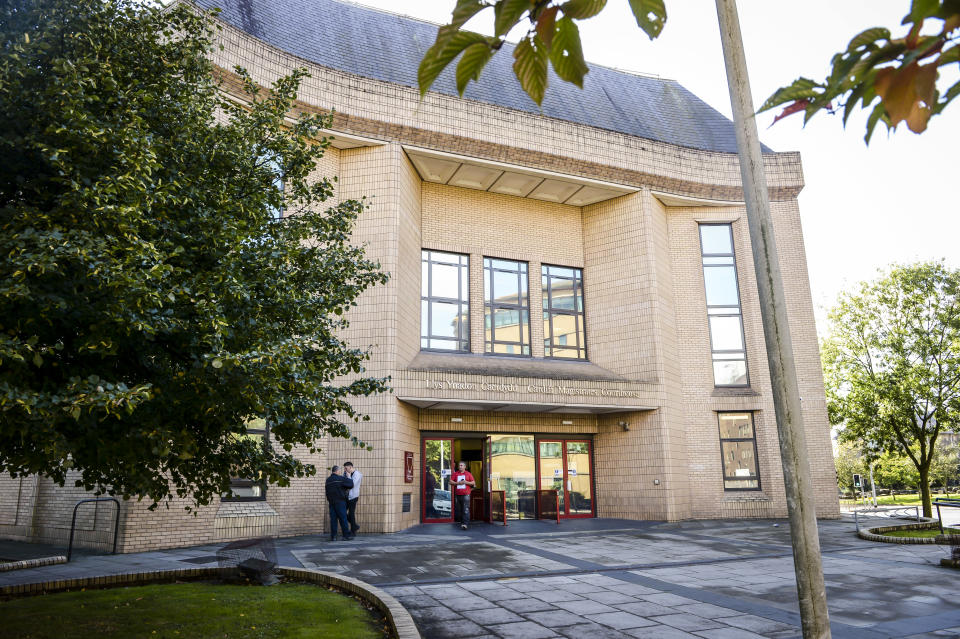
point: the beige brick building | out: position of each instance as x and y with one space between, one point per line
572 308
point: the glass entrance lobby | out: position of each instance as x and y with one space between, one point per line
519 476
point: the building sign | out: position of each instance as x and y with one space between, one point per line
540 388
408 467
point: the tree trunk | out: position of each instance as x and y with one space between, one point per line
925 491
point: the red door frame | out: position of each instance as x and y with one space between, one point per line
423 482
566 499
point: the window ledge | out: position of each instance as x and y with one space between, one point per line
232 509
745 391
759 497
506 366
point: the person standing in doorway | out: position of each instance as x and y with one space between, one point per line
353 496
464 483
337 487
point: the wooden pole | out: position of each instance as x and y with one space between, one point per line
814 616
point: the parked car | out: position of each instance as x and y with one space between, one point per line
442 503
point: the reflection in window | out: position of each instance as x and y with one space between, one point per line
445 301
250 489
738 447
513 470
563 332
723 305
506 307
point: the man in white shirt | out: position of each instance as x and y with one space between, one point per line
353 496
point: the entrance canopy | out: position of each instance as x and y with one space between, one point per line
520 407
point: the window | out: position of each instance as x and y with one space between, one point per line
506 309
250 489
738 449
563 332
274 166
444 301
723 305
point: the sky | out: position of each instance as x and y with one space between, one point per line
863 208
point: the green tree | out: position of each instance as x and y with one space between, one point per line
153 299
899 74
945 467
892 363
848 460
895 471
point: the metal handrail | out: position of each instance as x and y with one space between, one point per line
116 522
949 503
856 512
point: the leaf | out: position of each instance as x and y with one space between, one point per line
546 25
507 13
861 91
949 56
566 53
582 9
796 107
530 67
907 94
462 13
921 9
801 89
868 37
651 16
474 58
438 57
875 117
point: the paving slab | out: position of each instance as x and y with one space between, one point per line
609 579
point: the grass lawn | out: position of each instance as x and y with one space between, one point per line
930 532
187 610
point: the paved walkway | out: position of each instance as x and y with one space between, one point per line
611 579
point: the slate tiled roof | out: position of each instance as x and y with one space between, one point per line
388 47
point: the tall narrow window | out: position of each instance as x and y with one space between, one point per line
723 305
444 301
738 447
563 332
506 309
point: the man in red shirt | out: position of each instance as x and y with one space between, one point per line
464 483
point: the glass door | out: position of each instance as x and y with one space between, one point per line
551 470
513 471
579 482
437 497
565 466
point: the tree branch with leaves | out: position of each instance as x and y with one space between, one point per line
895 77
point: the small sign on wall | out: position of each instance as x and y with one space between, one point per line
408 467
405 502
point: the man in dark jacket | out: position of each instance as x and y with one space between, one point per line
337 487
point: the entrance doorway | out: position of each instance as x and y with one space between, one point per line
440 458
518 468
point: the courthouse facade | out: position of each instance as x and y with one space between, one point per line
572 307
